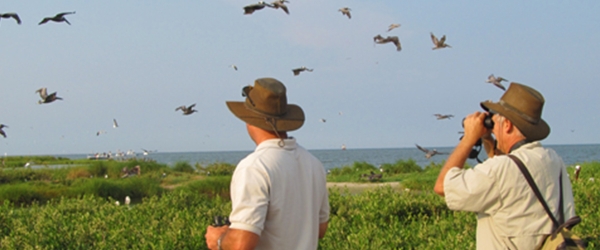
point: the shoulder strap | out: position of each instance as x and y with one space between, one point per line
535 188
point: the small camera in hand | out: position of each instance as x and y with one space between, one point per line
221 221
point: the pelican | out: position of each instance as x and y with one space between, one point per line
254 7
429 153
45 97
298 70
440 116
394 39
2 131
393 26
60 17
280 4
11 15
115 124
187 110
439 44
345 11
496 81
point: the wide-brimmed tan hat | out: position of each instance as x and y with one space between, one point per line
522 105
266 107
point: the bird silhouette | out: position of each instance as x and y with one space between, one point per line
100 132
346 11
187 110
115 124
440 116
2 131
439 44
496 81
45 97
323 120
280 4
60 17
393 39
11 15
298 70
429 153
249 9
393 26
233 66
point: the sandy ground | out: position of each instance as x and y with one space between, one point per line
359 187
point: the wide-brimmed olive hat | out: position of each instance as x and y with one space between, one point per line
522 105
266 107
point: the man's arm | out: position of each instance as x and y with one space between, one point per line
323 229
474 130
230 238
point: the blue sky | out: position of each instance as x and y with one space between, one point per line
136 61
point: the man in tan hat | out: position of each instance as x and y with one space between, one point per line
509 215
279 192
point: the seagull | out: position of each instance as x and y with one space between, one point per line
393 26
127 200
345 11
146 152
439 44
394 39
496 81
440 116
233 66
187 110
11 15
280 4
2 131
60 17
429 153
45 97
298 70
253 7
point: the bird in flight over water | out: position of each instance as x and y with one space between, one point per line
2 131
187 110
280 4
440 116
45 97
496 81
298 70
249 9
439 44
393 26
345 11
393 39
429 153
11 15
60 17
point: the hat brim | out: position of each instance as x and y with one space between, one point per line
293 119
533 132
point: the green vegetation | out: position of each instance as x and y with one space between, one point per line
74 207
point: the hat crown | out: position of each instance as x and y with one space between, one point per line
268 96
525 101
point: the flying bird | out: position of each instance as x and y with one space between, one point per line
249 9
100 132
115 124
393 39
187 110
345 11
298 70
233 66
45 97
323 120
11 15
60 17
429 153
280 4
440 116
393 26
496 81
2 131
439 44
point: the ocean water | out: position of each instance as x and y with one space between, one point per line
333 158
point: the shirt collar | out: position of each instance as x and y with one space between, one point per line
289 143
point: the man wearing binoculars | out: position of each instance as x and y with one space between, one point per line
509 215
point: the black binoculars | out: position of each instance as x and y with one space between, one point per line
487 121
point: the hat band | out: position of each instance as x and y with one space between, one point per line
253 109
516 111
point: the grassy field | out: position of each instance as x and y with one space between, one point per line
74 207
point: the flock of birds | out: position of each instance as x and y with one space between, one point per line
248 10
